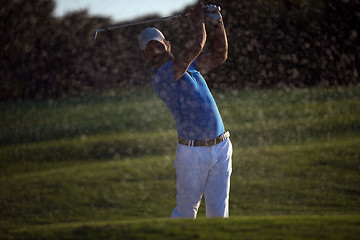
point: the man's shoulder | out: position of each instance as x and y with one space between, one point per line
164 73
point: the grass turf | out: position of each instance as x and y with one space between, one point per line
246 228
108 157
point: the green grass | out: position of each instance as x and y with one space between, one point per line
102 165
257 228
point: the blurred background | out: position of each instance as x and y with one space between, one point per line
48 51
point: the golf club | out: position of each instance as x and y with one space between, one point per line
138 23
142 22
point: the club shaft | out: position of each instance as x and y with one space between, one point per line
137 23
140 22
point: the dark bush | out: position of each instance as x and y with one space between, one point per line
272 43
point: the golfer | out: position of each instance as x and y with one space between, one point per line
203 157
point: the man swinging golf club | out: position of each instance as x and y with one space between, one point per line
203 157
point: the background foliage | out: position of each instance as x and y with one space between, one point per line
280 43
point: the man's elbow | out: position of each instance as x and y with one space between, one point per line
225 56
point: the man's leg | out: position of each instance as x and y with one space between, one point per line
191 176
218 185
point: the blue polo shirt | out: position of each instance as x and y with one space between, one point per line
190 102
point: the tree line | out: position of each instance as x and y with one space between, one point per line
272 43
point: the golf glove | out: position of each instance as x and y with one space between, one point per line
213 14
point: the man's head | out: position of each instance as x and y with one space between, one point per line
150 34
155 49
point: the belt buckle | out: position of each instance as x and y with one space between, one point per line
222 137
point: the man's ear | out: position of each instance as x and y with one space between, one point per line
168 45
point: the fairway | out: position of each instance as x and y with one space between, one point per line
100 166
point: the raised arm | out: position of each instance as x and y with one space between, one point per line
195 45
219 51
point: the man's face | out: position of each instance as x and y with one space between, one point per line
155 52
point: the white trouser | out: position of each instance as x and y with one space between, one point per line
203 170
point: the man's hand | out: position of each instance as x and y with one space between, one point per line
213 14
